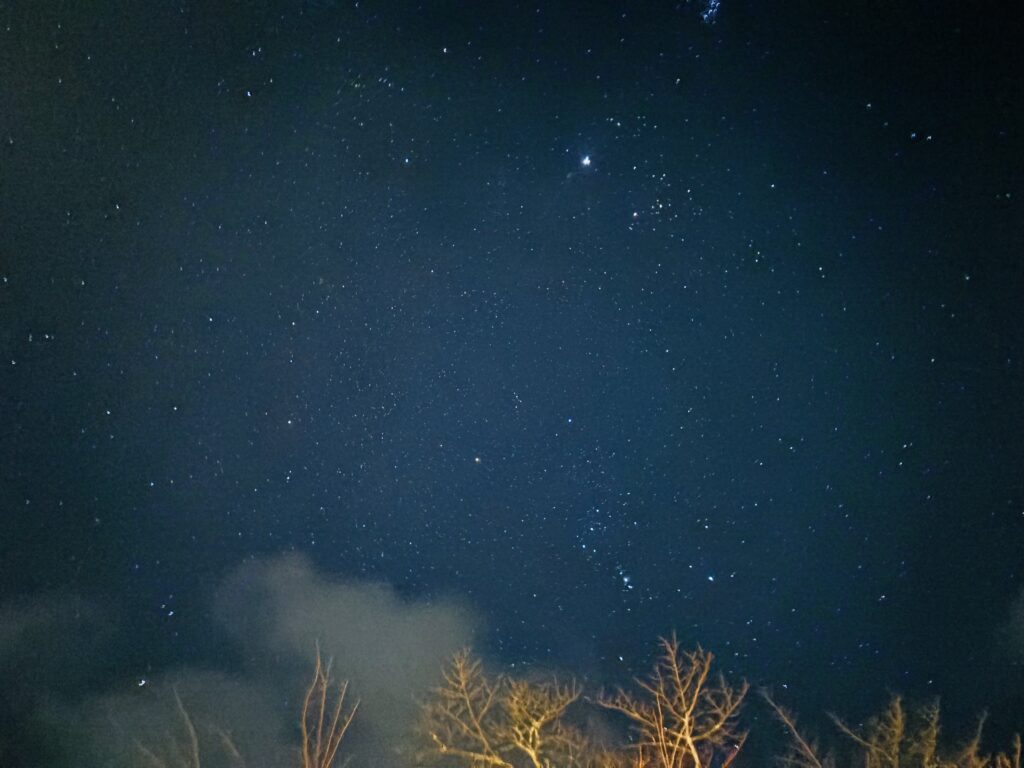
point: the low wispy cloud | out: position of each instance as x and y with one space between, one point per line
276 612
389 648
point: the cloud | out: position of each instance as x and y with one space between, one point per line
276 611
390 649
227 713
43 642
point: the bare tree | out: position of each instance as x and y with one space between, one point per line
896 739
683 720
460 715
534 722
182 748
970 754
884 737
475 720
323 725
803 751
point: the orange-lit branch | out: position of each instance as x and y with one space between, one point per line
323 725
683 720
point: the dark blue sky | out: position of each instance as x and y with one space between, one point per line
600 318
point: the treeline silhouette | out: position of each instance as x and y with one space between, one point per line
679 715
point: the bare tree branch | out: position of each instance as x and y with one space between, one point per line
803 752
501 722
323 726
681 720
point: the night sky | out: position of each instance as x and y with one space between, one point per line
594 320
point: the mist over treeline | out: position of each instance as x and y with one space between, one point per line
68 694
